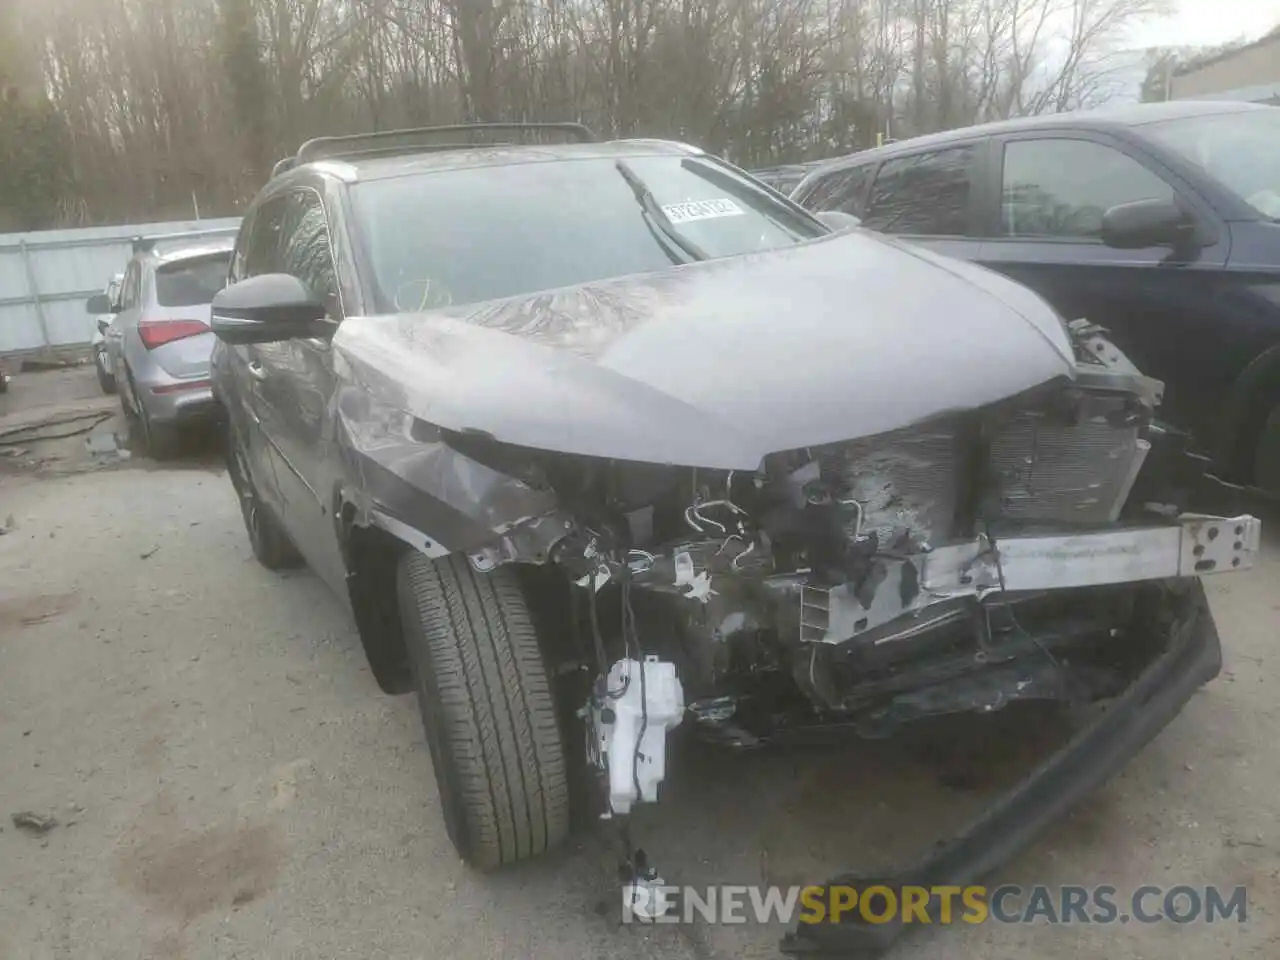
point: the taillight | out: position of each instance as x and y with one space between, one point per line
157 332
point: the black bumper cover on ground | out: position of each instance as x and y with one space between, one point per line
1192 657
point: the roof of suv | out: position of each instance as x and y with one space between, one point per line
1103 118
380 167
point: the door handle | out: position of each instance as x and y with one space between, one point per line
257 370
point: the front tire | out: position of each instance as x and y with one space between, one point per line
487 708
1266 456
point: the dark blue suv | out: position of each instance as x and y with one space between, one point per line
1160 222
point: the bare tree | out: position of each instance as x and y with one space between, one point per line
164 103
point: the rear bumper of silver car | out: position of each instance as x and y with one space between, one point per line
180 401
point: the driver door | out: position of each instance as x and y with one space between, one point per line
297 378
248 405
1053 191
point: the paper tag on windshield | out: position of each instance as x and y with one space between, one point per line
692 210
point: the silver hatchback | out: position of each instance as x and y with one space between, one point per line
159 343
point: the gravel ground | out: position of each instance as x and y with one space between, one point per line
229 782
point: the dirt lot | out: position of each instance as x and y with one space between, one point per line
229 782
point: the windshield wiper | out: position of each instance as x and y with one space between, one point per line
801 222
656 216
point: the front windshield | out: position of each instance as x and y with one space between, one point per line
483 233
1241 149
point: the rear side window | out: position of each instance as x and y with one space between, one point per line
1061 188
926 194
189 283
839 190
305 253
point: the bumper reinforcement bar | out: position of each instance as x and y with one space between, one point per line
1192 657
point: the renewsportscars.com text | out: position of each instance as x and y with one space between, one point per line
1067 904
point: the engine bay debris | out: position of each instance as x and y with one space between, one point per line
1035 547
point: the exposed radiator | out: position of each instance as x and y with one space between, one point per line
1072 461
1046 468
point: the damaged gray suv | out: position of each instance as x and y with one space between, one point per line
605 443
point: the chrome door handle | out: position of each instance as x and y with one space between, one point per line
257 371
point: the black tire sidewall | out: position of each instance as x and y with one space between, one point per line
246 496
251 510
268 543
161 439
1266 449
128 397
443 761
105 380
135 416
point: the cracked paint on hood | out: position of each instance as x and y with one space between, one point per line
717 364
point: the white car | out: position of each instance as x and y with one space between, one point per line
106 378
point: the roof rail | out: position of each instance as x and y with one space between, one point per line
144 244
423 139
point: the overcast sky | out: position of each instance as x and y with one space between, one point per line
1205 22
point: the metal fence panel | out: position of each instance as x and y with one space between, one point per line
45 278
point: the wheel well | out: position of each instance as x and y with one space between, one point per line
1257 393
372 556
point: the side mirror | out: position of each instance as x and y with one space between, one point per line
103 323
267 309
1147 223
99 303
838 220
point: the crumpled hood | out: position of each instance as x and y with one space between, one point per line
717 364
